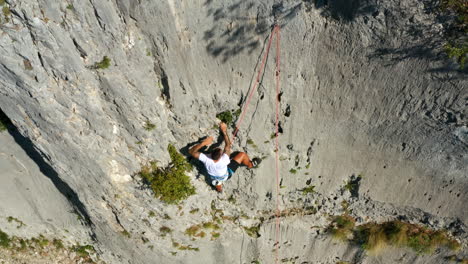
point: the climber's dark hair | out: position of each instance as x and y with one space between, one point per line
216 153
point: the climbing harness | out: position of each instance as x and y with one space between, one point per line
275 31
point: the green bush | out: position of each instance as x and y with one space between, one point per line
104 64
4 240
225 116
456 30
228 116
169 184
458 53
83 251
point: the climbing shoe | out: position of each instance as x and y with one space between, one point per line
256 162
219 188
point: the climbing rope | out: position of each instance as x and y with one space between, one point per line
277 73
255 85
275 31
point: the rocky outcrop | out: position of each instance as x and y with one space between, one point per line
366 89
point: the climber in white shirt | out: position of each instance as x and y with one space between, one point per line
218 164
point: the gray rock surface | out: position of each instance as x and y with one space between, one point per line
28 195
366 89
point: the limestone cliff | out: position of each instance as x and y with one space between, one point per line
367 89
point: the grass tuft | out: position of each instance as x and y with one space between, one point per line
342 227
83 251
149 126
125 233
210 225
193 230
215 235
165 230
253 231
193 211
375 237
308 190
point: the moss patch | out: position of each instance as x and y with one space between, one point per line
169 184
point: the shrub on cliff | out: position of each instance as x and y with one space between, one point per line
170 184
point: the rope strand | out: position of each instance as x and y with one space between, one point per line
275 31
277 75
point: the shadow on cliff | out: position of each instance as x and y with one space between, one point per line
27 145
234 32
423 42
342 10
241 27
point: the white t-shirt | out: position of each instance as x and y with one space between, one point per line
215 168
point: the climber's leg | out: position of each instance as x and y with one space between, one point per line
240 158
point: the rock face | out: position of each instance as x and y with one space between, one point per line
366 90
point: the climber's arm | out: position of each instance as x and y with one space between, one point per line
227 142
195 150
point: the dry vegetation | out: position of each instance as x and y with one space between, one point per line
20 250
376 236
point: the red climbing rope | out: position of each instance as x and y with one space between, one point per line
276 30
255 85
277 73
